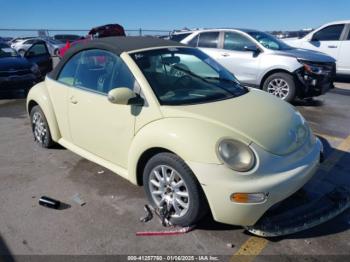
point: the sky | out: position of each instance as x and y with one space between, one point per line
168 15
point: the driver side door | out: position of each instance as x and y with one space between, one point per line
39 54
242 63
96 125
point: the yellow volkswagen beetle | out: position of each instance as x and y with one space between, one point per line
170 118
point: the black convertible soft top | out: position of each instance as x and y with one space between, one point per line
115 44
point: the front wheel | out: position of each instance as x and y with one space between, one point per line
281 85
40 127
171 184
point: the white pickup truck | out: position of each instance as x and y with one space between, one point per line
332 39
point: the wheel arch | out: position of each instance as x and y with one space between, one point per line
38 95
271 72
183 137
144 158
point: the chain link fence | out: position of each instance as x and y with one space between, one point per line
14 32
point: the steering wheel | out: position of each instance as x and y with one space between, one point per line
183 81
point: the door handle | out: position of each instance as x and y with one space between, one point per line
332 46
73 100
225 54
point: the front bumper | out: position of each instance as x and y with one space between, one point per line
277 176
311 85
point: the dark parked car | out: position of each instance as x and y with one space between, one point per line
21 73
67 38
107 30
96 32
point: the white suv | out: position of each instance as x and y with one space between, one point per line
260 60
332 39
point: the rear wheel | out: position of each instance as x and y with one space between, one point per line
40 127
171 184
281 85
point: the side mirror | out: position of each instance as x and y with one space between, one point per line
124 96
252 48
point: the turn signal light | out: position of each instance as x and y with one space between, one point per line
248 197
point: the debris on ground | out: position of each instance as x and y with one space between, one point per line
179 231
163 213
77 199
307 242
230 245
148 216
49 202
100 172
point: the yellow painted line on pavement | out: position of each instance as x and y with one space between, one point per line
250 249
333 159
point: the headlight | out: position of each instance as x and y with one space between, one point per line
236 155
311 68
35 68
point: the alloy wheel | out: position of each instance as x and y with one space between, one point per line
169 189
278 87
39 128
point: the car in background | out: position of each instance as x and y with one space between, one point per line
107 30
22 72
332 39
94 33
178 36
260 60
67 38
21 46
15 40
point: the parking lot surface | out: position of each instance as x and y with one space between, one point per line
108 222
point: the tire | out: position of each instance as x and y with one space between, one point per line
271 85
196 202
40 128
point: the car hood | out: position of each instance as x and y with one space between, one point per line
14 63
306 54
260 117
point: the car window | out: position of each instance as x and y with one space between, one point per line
348 38
101 71
38 49
329 33
208 39
235 41
179 37
194 41
269 41
68 71
30 42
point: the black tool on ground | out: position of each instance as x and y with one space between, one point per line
49 202
148 216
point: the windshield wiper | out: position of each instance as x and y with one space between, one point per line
221 79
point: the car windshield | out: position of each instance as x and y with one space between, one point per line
6 51
183 76
269 41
